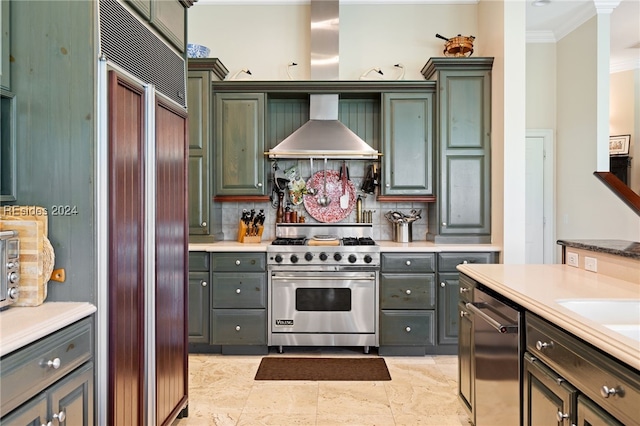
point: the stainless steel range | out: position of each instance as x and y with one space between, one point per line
323 286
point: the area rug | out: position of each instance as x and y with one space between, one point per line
318 369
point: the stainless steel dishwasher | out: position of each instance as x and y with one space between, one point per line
497 353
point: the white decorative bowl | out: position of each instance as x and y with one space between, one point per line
197 51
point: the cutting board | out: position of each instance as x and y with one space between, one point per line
313 242
33 285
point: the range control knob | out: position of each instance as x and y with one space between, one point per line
367 258
13 293
13 277
352 258
308 256
278 258
294 258
337 257
323 256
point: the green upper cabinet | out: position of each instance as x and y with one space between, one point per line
5 80
204 221
407 144
167 16
239 144
463 211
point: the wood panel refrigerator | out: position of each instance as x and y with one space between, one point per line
148 234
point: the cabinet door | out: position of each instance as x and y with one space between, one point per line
169 17
448 308
72 398
408 144
407 328
590 414
199 290
239 124
547 397
465 359
33 413
464 151
199 101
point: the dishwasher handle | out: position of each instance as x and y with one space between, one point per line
501 328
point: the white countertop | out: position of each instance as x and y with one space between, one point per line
537 288
385 246
20 326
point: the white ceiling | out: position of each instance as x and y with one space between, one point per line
558 18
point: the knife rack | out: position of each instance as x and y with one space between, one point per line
243 231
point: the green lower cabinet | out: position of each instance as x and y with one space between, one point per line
238 327
199 307
407 328
448 290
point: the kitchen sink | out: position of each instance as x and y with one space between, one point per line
621 316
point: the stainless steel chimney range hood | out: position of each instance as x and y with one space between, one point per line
324 136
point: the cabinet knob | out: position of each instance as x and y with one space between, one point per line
238 291
606 391
237 328
561 417
203 224
407 329
463 314
238 262
464 262
408 291
444 223
55 363
388 185
464 290
259 185
543 345
203 283
59 416
442 284
408 263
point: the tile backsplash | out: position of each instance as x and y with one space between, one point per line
382 228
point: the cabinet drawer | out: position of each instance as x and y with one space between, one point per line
407 328
238 327
199 261
408 262
232 290
240 262
447 262
586 368
407 291
27 370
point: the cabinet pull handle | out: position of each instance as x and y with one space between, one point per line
238 262
407 329
203 224
237 328
442 284
408 263
55 363
238 291
203 283
606 391
408 291
464 290
60 417
543 345
561 417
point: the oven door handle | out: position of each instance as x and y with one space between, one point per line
323 278
501 328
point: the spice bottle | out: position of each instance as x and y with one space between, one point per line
280 212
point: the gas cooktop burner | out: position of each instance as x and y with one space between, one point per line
362 241
299 241
302 241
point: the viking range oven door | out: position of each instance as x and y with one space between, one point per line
323 308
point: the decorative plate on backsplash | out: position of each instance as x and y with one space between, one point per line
332 212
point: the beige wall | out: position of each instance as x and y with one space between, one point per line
541 86
625 116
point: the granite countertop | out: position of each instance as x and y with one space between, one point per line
20 326
385 246
538 288
624 248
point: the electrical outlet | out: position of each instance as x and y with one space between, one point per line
572 259
591 264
